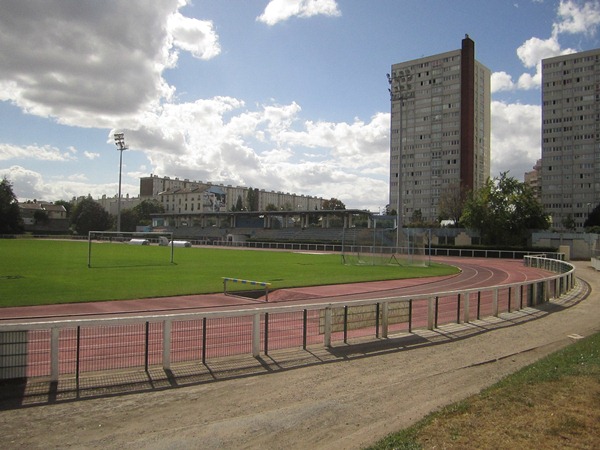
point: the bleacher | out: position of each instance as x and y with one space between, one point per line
292 234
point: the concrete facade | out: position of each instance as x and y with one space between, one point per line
570 137
440 130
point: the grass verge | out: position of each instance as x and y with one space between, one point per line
48 272
552 404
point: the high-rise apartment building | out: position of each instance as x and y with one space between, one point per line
440 130
571 137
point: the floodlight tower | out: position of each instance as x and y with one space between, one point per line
120 143
400 90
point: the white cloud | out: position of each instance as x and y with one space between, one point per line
516 131
281 10
195 36
219 140
576 18
501 81
29 185
43 153
572 18
91 155
533 50
98 64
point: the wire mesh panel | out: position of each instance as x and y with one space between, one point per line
24 354
114 346
352 322
67 351
186 340
282 330
503 300
446 309
38 353
485 300
399 314
228 336
314 332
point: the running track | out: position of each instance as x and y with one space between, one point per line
475 273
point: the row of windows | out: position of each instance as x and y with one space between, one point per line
578 60
567 72
581 118
569 129
567 167
567 81
568 98
569 138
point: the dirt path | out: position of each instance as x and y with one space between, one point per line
346 404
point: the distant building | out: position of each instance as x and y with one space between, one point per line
44 217
533 179
110 204
185 196
440 129
570 172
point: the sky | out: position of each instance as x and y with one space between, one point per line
282 95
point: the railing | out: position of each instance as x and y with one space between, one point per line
73 347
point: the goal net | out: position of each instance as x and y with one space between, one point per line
376 247
118 248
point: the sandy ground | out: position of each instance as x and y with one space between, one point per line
357 397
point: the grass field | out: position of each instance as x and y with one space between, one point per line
552 404
34 272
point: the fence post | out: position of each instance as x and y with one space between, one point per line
304 328
55 333
377 309
327 327
166 359
204 340
495 303
266 333
256 335
431 310
385 320
466 315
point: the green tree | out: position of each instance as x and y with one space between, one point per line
41 217
67 205
11 221
332 203
416 220
593 219
239 204
143 211
252 199
129 220
503 211
569 222
270 207
89 215
451 203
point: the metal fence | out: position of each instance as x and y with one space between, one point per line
71 348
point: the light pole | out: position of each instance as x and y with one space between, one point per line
120 143
400 89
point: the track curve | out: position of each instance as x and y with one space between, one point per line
474 273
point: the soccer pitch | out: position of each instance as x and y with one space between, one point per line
37 272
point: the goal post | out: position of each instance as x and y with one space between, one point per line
163 239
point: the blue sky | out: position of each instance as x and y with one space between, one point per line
284 95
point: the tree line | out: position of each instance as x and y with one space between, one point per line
84 215
503 211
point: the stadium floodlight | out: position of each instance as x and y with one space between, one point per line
120 143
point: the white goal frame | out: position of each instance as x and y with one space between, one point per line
126 237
